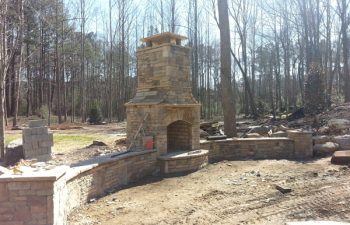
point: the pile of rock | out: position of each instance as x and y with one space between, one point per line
339 126
326 145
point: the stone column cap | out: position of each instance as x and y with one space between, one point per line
30 174
166 37
36 123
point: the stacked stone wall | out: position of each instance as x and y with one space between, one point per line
28 200
250 148
48 197
37 141
298 145
85 183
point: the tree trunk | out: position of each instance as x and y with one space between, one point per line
19 53
228 100
2 116
344 27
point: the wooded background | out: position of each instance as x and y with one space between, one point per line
59 59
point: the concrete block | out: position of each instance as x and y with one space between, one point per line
35 145
36 123
43 158
50 136
27 132
45 144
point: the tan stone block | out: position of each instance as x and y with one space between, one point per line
37 200
38 209
23 213
19 198
11 222
13 186
41 185
39 216
3 192
50 208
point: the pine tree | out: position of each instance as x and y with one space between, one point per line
315 90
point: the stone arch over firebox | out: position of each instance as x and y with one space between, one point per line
179 136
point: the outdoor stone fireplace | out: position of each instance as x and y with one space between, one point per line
163 107
163 103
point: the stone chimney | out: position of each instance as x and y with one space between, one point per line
163 106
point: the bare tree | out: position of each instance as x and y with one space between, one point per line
343 6
228 100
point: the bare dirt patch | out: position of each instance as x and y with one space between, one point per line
73 143
229 192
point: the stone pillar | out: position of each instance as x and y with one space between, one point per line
32 198
302 143
37 141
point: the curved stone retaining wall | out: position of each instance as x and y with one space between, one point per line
47 197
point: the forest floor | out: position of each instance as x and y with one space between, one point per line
229 192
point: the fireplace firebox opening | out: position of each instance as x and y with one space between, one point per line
179 136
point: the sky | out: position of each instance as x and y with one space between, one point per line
99 14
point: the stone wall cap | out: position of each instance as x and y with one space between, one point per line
248 139
44 175
183 154
87 165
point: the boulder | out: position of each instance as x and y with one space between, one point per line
324 130
203 134
327 148
343 141
261 130
98 143
339 124
321 139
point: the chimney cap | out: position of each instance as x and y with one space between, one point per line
166 37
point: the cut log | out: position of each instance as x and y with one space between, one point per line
282 189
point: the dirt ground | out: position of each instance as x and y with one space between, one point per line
113 135
73 143
229 192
